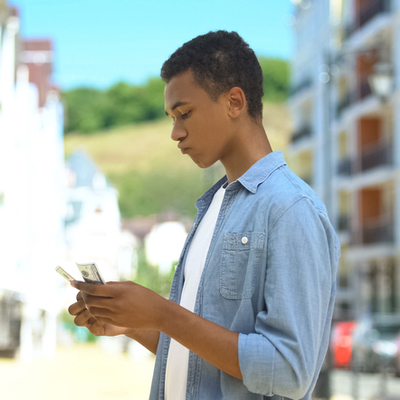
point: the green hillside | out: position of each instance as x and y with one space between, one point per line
148 170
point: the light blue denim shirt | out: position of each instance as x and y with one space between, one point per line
270 275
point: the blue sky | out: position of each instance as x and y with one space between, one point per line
100 42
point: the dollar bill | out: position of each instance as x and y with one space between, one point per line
90 273
64 274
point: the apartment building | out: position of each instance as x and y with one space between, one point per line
32 192
346 142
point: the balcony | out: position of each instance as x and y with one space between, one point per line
303 132
364 88
382 233
366 14
372 9
362 91
343 222
344 167
374 231
299 87
343 104
373 156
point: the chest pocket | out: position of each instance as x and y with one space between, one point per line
241 255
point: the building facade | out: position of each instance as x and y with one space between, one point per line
346 142
93 223
32 191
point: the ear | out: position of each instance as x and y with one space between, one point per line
237 102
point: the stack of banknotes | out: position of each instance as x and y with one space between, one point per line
89 272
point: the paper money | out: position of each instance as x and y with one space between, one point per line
64 274
90 273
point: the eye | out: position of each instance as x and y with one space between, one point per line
186 115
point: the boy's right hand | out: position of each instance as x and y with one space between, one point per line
84 318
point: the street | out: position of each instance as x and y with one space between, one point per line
86 372
81 372
370 386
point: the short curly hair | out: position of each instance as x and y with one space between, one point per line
219 61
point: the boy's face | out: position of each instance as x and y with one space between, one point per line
201 126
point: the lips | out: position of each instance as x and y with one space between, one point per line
183 149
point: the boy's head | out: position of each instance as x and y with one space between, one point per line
220 61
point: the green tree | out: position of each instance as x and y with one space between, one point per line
276 75
89 110
86 110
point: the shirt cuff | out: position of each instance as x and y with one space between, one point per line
256 361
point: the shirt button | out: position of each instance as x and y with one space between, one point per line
244 240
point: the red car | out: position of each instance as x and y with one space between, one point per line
341 344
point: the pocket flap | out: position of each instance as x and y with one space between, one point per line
243 240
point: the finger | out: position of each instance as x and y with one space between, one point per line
105 320
97 312
83 318
92 289
77 308
101 302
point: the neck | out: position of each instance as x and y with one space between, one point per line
250 146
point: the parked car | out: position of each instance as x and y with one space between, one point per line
375 344
341 344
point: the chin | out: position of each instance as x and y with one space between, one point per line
203 163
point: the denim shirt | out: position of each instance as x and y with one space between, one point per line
270 275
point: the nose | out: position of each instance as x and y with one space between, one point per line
178 132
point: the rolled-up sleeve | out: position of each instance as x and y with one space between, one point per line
285 353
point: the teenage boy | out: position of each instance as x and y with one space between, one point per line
251 302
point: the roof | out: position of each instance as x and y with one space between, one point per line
83 167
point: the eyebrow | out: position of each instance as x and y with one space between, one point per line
176 105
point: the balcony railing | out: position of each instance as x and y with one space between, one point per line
343 222
378 234
373 156
344 166
374 231
364 88
301 133
368 12
372 9
376 156
343 104
303 85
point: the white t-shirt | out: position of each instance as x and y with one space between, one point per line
178 355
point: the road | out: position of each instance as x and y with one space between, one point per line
81 372
86 372
369 386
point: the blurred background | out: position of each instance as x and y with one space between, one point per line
88 173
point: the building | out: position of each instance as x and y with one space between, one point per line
93 222
346 142
32 191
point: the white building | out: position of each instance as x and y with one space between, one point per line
32 192
93 222
347 141
164 244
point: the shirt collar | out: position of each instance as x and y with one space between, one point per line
260 171
250 180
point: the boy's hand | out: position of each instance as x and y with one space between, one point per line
84 318
122 304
